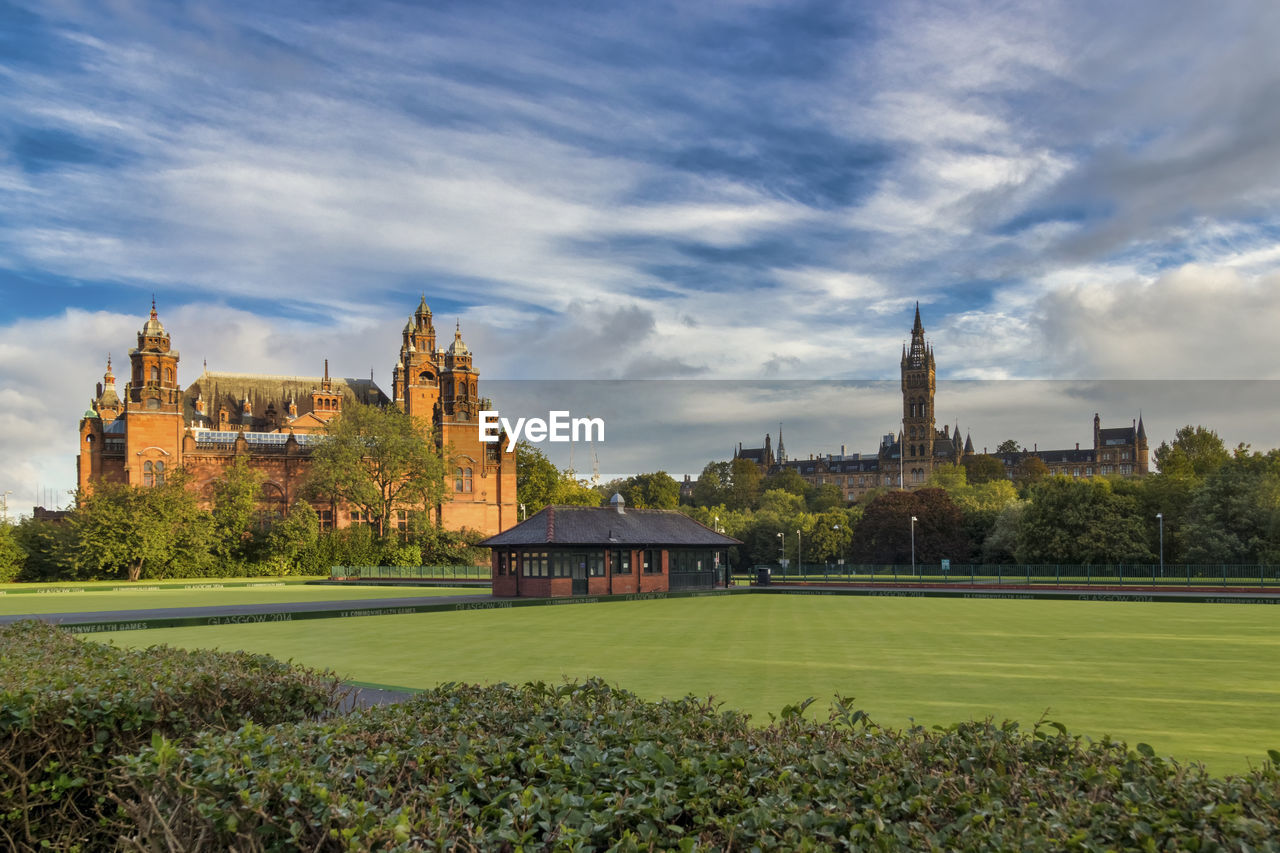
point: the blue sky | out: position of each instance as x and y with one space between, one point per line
744 190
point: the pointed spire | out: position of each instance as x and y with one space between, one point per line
423 310
1142 430
968 443
153 307
918 327
326 370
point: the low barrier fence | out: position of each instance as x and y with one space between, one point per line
1121 574
391 573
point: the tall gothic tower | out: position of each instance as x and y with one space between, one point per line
918 386
416 378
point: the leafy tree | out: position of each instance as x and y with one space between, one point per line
983 468
121 531
658 490
571 492
1009 445
712 488
49 547
884 533
829 537
1001 541
293 542
1234 516
12 557
787 480
1082 522
536 477
785 504
824 497
380 461
235 508
745 484
1030 470
1195 453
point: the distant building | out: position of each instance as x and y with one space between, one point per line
909 459
579 550
274 422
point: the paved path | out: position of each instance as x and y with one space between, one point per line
242 609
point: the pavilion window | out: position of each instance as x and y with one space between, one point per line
622 562
595 565
652 562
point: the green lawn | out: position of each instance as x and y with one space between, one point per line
1196 681
139 599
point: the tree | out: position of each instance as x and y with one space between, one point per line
825 497
658 490
1030 470
744 486
1196 453
121 531
713 484
1082 522
536 478
788 480
378 461
983 468
884 535
293 542
1234 515
235 506
1009 445
12 556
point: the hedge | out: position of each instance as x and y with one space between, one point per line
68 708
591 767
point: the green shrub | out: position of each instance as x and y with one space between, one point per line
588 767
68 708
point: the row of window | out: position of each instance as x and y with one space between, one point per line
561 564
152 473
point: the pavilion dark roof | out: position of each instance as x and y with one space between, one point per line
588 525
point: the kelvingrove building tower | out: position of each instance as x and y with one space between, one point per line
141 436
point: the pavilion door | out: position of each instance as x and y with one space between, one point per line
579 574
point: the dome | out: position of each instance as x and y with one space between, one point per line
90 413
154 328
458 347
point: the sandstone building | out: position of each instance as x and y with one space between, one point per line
920 447
275 421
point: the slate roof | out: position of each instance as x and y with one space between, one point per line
231 389
589 525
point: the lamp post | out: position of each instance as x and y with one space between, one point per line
799 555
782 553
1160 518
836 528
913 547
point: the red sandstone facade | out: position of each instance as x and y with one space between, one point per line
273 421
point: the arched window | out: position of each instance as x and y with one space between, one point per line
457 480
155 374
152 473
466 480
159 469
168 375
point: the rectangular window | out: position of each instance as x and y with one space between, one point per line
326 518
652 562
595 565
502 564
526 564
542 565
622 562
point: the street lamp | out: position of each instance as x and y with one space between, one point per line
836 528
799 555
913 546
1160 518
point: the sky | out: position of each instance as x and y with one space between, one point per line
1083 194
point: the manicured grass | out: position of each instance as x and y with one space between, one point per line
1196 681
139 599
